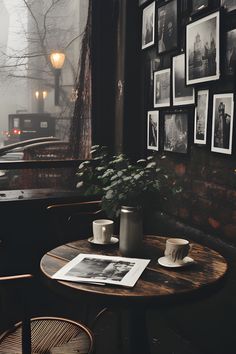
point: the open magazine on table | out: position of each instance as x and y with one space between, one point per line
99 269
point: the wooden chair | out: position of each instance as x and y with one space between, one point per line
73 221
43 335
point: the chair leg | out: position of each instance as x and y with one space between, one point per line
26 335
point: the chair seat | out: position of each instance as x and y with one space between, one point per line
50 335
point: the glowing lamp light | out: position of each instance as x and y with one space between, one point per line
37 95
45 93
57 59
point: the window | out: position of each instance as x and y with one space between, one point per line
37 98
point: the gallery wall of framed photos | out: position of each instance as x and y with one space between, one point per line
189 48
188 58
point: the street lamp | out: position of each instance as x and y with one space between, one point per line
57 60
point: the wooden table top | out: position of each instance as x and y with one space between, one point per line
156 282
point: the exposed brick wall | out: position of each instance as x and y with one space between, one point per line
208 200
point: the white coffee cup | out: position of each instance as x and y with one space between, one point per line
102 230
176 249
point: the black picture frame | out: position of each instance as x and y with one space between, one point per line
167 20
199 6
201 117
176 132
182 94
161 89
203 49
153 130
230 55
228 5
222 123
148 26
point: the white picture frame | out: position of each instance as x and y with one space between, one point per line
182 94
148 26
201 117
153 130
203 49
161 88
222 123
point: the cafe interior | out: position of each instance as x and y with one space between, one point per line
139 200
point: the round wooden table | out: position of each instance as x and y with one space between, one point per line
157 284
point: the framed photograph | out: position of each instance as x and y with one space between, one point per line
153 130
199 5
229 5
167 19
141 2
176 132
99 269
200 117
230 52
182 94
203 50
162 88
222 123
148 27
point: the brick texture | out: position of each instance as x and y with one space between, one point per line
208 199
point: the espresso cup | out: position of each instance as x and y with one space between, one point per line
176 249
102 230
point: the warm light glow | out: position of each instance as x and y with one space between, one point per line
57 59
45 94
41 94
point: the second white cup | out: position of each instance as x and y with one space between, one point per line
176 249
102 230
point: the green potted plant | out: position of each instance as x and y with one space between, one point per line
140 185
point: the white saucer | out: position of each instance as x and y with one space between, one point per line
113 241
165 262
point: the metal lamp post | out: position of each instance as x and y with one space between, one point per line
57 60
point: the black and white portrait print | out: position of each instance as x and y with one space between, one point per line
182 94
148 28
202 50
153 130
222 123
200 117
167 26
176 132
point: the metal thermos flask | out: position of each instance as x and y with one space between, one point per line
131 231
